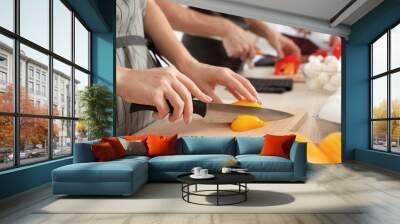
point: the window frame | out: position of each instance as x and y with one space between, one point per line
16 115
388 74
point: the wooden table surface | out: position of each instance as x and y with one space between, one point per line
301 98
301 102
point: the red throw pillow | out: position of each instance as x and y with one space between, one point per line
161 145
135 137
116 145
277 145
103 152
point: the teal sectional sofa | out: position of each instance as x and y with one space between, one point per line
125 176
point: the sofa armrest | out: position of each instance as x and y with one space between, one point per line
83 152
298 155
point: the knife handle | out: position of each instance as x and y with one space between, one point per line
199 108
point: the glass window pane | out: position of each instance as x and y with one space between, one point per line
395 47
7 14
34 96
379 135
395 136
379 56
395 94
62 29
33 140
81 131
62 138
6 74
81 81
62 89
6 142
81 45
379 97
35 21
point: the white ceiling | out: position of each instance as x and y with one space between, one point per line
321 9
324 16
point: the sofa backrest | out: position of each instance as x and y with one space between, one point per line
83 152
194 145
249 145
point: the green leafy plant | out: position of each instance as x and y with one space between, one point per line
96 103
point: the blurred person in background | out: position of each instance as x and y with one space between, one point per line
308 41
221 39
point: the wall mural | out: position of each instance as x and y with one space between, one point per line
296 72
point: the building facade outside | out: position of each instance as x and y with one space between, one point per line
34 82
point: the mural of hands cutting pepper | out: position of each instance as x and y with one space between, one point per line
197 68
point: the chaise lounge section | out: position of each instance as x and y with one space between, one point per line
125 176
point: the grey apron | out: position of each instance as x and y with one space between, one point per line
130 14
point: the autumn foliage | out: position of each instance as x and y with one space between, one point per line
380 127
33 131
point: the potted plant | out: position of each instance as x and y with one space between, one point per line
96 103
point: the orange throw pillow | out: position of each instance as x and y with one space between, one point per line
161 145
116 145
103 152
135 137
277 145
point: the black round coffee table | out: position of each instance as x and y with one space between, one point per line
238 179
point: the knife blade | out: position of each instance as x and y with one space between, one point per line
222 113
269 56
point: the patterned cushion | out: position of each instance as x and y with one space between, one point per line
134 147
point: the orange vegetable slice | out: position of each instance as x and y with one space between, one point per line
246 122
328 151
247 103
331 146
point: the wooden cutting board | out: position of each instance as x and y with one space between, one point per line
200 128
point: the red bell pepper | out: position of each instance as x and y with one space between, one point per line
337 49
321 52
288 65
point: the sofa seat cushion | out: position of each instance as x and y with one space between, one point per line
257 163
133 157
113 171
185 163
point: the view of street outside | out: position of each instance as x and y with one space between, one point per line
34 79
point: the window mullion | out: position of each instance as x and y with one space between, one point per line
50 81
16 69
389 103
73 82
371 140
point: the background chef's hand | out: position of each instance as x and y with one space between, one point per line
207 77
239 43
283 45
289 47
156 86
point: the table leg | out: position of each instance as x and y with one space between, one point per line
188 189
245 193
182 188
217 194
195 188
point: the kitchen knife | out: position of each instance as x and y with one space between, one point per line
222 113
269 56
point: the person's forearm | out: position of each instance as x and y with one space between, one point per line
190 21
260 28
122 79
160 31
